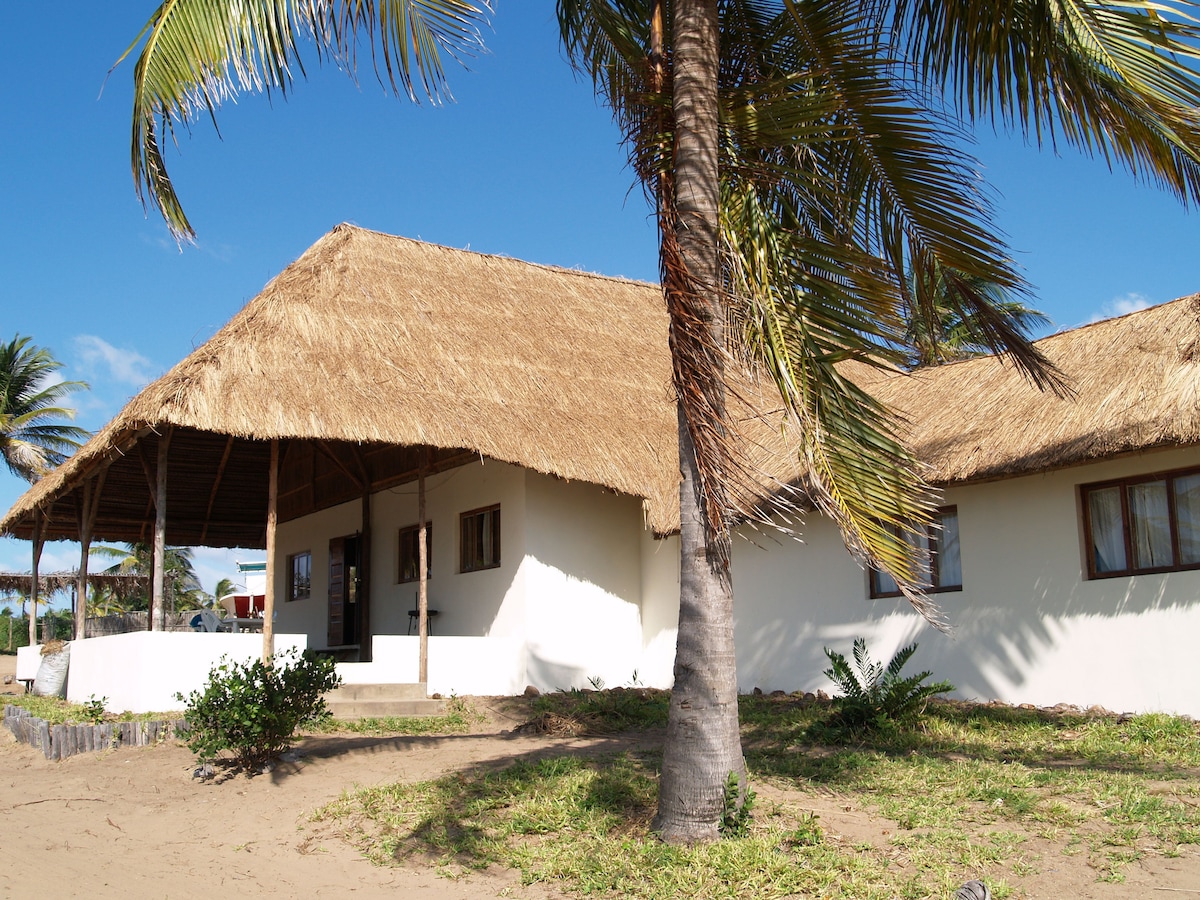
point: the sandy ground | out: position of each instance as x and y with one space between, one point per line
133 823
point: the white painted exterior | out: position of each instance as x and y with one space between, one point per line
1028 626
585 592
143 671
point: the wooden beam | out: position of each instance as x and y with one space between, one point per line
327 451
268 651
87 522
423 575
212 496
157 621
38 515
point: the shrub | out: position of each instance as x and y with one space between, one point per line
875 698
253 710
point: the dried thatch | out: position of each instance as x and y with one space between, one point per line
370 344
53 582
1136 386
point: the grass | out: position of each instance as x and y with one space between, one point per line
57 711
970 791
459 717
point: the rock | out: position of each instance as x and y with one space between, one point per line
9 679
778 693
435 696
821 695
757 692
531 691
809 696
973 890
205 771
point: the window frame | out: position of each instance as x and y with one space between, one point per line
932 545
1123 485
292 593
414 531
463 566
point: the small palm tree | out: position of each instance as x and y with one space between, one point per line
33 440
945 314
180 582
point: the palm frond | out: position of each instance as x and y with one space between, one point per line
195 54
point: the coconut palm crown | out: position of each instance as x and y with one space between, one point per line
33 439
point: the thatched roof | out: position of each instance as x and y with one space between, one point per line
53 582
370 345
1136 383
374 339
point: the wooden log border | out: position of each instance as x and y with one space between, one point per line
62 741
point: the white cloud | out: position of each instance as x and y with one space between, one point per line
1121 306
96 355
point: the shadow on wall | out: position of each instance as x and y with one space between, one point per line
1050 638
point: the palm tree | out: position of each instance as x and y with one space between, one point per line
938 331
180 583
31 439
802 157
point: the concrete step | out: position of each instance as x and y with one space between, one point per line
361 701
415 691
381 709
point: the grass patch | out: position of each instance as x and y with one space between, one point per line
969 791
459 718
57 711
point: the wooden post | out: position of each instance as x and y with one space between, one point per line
268 651
157 622
423 572
365 649
87 521
33 576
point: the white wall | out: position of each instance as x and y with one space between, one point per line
1028 626
660 608
582 584
468 603
142 671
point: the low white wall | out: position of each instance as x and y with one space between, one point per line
457 665
142 671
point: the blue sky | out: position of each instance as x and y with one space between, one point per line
526 164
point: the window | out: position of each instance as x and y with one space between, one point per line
939 545
299 576
1149 524
410 554
480 548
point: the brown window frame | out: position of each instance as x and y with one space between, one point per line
1123 484
415 551
293 586
933 543
472 565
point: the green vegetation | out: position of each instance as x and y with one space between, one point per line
253 710
460 715
874 698
971 791
57 711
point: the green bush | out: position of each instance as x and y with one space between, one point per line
253 710
874 698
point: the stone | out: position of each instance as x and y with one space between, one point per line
973 890
821 695
531 691
757 692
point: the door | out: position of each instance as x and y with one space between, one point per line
344 590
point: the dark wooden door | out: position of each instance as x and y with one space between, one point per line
337 592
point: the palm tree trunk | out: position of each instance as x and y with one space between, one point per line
703 746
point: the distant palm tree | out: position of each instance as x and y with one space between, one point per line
180 583
947 314
31 441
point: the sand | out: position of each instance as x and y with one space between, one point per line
134 823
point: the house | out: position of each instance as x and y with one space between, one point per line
532 410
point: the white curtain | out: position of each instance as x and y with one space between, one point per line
1108 533
1187 515
1151 525
949 560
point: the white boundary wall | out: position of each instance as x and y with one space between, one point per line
142 671
457 665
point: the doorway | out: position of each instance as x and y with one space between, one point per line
345 591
